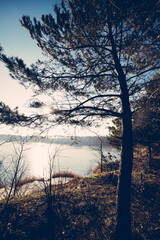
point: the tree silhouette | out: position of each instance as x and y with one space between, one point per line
146 120
8 116
99 53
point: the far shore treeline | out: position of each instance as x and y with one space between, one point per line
66 140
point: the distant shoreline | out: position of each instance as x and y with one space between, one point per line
63 140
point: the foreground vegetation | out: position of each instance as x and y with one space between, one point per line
85 208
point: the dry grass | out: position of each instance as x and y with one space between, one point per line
85 208
29 180
56 175
65 175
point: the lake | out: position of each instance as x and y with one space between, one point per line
78 159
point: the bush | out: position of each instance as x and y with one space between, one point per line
111 166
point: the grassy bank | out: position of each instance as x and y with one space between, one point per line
83 209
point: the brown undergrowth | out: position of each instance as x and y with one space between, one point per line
84 208
56 175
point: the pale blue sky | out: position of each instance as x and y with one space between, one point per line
16 41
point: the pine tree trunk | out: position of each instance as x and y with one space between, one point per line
123 228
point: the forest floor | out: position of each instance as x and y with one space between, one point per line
84 208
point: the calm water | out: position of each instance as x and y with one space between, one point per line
80 160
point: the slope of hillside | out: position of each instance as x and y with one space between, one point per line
83 208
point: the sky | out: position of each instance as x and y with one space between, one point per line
16 41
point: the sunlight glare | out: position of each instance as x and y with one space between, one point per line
46 110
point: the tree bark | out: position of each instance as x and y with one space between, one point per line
123 227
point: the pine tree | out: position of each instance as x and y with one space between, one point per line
100 54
